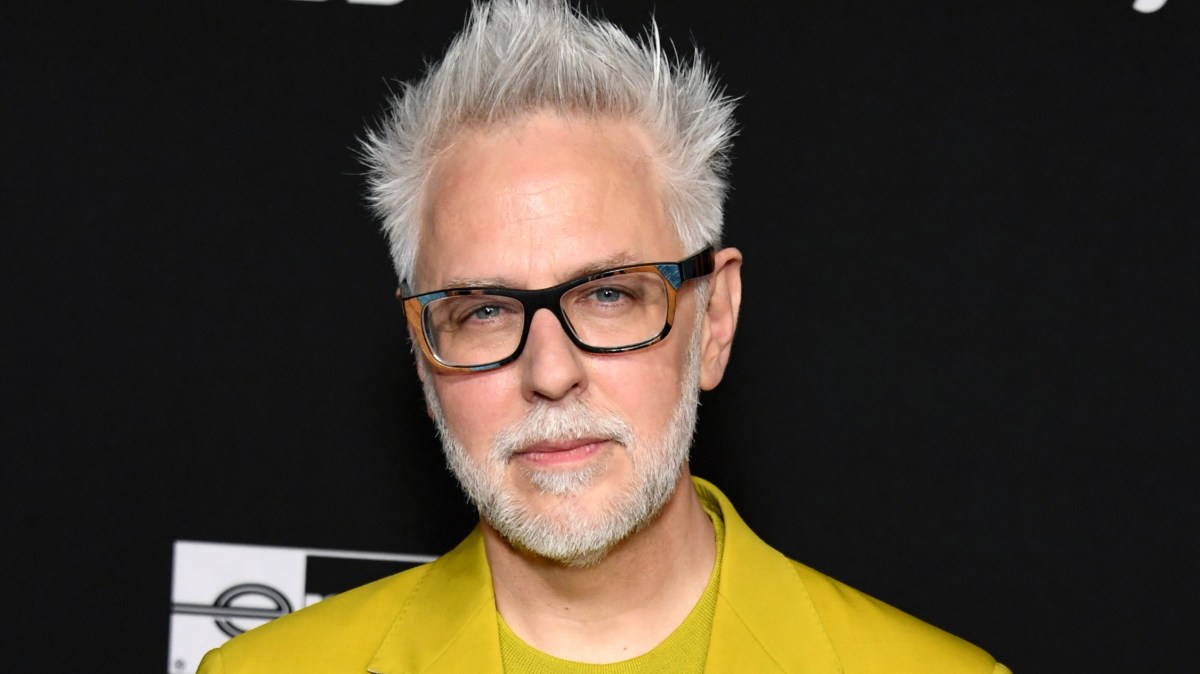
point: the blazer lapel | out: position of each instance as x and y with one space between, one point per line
765 620
449 622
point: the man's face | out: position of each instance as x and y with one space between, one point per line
564 452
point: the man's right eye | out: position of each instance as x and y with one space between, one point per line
481 314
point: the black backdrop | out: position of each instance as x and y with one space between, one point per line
965 380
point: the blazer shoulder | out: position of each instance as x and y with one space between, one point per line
340 633
869 635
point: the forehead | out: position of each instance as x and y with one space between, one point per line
531 202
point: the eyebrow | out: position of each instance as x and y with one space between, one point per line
620 259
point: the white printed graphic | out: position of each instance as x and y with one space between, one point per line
220 590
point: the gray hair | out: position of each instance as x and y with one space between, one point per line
520 56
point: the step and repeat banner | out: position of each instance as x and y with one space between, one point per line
220 590
965 378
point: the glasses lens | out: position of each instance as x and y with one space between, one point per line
471 330
618 311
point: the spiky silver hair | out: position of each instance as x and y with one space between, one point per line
515 57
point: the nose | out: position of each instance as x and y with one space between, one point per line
551 366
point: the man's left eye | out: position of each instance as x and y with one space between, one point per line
608 295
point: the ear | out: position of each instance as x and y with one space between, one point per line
720 317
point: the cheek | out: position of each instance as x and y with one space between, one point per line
478 406
642 386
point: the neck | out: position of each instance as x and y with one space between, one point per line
619 608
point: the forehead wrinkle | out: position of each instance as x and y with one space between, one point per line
618 259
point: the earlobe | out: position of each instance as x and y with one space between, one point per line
720 318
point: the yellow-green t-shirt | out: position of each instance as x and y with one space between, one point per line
684 650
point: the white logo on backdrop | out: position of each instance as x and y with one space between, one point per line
220 590
1148 6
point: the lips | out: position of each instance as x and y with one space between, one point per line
561 451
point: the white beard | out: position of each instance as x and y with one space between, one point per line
569 532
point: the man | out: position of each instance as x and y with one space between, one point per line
552 193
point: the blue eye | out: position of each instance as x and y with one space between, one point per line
608 295
486 312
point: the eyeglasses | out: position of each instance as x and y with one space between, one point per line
613 311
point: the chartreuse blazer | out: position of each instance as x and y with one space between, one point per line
772 615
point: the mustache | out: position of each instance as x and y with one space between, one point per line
548 422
